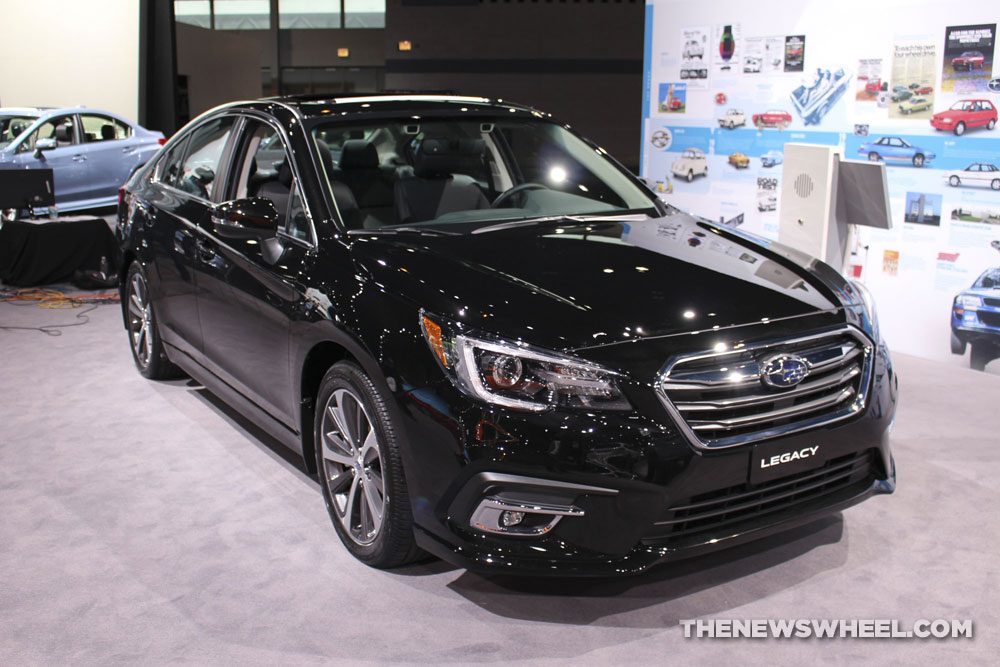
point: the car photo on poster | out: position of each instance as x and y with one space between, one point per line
767 200
975 320
977 174
813 100
773 119
771 158
739 160
691 163
966 114
896 150
732 119
915 105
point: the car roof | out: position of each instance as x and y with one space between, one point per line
312 106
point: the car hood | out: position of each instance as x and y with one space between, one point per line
578 285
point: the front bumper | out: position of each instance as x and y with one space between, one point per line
635 492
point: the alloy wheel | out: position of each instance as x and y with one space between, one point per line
352 466
140 318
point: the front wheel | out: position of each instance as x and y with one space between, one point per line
873 157
957 344
960 129
918 160
954 181
361 471
143 331
980 356
690 176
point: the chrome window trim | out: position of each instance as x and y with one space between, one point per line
856 406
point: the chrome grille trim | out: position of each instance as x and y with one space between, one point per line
845 362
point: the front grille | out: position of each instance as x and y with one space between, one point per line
988 318
721 398
749 505
993 303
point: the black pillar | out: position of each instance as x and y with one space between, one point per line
157 66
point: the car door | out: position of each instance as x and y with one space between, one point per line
182 203
110 156
65 161
251 291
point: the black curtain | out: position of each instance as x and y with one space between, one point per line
157 66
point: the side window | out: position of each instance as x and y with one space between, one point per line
263 171
168 171
103 128
60 128
201 164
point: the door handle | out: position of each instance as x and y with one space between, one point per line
79 158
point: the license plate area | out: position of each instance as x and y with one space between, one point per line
770 461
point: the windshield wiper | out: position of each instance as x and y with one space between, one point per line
423 231
510 224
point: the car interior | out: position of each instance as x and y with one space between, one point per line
401 173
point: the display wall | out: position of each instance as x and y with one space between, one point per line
63 53
734 81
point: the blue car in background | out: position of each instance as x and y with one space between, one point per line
895 149
975 320
91 153
771 158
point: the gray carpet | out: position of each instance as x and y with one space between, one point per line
143 522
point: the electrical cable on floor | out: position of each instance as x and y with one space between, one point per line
55 299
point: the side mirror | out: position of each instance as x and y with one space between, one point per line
44 145
246 219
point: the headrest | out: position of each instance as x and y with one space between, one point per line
64 133
325 157
358 154
107 132
440 156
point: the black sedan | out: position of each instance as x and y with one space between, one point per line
494 344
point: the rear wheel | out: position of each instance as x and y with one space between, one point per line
995 184
873 157
954 181
918 160
990 125
361 471
143 332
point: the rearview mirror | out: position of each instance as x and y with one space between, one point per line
44 145
246 219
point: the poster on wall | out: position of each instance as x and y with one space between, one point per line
885 89
694 52
728 52
795 53
968 58
911 91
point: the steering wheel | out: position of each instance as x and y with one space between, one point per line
516 190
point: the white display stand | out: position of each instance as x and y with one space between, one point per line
824 196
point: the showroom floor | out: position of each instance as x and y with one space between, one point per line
144 522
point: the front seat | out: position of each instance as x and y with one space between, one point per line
279 191
436 187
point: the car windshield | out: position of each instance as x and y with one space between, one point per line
11 125
424 172
961 106
989 280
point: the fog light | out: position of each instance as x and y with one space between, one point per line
511 518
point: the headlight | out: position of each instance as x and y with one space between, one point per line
969 301
946 120
515 375
869 303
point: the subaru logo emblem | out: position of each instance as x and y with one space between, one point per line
783 370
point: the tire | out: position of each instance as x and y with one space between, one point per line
918 160
990 125
351 469
954 181
995 184
874 157
959 129
980 356
143 330
957 344
690 176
